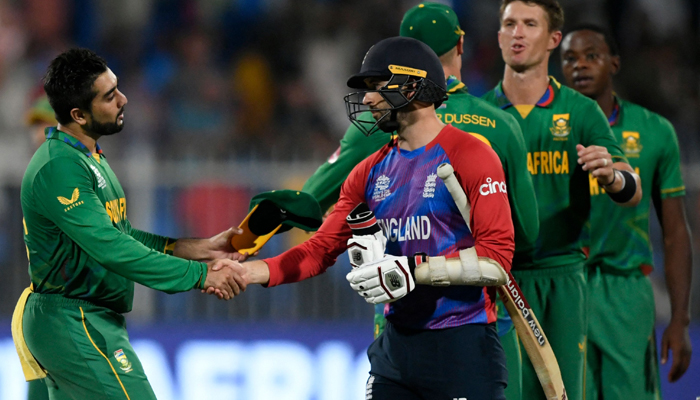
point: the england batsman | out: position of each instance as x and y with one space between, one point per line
621 358
437 26
440 341
567 137
84 255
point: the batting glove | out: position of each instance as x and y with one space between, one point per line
385 280
366 248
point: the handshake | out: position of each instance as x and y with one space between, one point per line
225 278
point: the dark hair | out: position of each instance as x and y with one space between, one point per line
69 79
607 36
555 14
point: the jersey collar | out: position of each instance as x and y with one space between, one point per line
545 101
53 133
454 85
614 118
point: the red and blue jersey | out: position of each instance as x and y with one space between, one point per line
417 214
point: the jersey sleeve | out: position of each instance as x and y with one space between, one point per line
482 178
596 130
155 242
314 256
355 146
668 179
521 196
70 202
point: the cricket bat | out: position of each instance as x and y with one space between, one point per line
526 324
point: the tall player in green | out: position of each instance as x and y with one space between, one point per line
84 255
621 362
437 26
567 137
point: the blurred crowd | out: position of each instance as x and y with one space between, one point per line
263 80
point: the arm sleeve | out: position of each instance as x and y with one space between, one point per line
314 256
355 146
86 222
491 222
667 178
521 196
596 130
155 242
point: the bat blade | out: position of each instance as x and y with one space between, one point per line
526 324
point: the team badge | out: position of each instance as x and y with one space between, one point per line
429 188
630 144
124 363
334 157
560 126
381 188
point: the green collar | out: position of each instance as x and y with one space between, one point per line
53 133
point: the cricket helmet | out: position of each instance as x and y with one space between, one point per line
413 72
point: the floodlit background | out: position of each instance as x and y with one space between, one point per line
228 98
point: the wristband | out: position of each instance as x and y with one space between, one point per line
629 188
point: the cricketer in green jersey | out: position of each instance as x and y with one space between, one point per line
567 137
84 255
437 26
621 362
39 117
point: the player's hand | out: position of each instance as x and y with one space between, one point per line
225 279
598 161
219 246
677 340
366 248
383 281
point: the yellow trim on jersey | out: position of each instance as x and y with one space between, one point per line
585 363
457 87
483 139
672 190
524 109
556 82
96 157
82 314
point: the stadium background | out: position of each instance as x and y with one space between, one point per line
228 98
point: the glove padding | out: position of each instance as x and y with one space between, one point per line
383 281
366 248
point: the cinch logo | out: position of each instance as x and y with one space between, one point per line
548 162
116 209
491 187
72 202
413 228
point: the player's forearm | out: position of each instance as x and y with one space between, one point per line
193 249
678 259
620 184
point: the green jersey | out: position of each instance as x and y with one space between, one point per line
470 114
552 128
79 241
621 234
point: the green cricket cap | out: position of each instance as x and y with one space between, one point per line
41 111
434 24
290 208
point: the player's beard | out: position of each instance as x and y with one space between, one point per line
106 128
